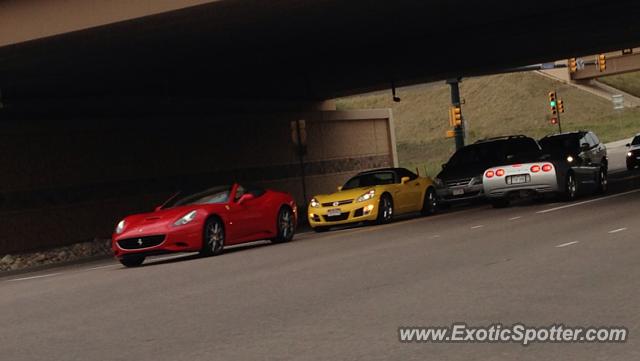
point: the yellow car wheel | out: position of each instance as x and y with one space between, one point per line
385 209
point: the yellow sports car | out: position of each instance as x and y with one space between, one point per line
373 196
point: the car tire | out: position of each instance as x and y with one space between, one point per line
385 209
321 229
132 260
570 188
603 181
285 226
499 202
430 203
212 237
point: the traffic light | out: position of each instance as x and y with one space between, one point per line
553 103
560 106
554 121
455 116
573 65
602 62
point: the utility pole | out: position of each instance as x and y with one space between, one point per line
455 114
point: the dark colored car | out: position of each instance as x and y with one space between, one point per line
633 154
580 160
461 177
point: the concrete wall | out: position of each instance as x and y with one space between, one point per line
65 181
23 20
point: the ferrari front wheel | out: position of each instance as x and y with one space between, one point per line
285 226
131 260
213 238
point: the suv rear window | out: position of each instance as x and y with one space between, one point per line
560 143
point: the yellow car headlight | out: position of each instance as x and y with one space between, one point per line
314 203
367 196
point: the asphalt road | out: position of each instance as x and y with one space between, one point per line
342 295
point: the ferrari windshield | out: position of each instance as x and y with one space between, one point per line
369 180
219 194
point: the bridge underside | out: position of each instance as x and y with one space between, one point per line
300 50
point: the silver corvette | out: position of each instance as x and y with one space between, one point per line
519 180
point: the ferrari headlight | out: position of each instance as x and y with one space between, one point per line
187 218
367 196
120 227
570 159
314 203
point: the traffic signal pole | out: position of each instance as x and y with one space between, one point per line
455 101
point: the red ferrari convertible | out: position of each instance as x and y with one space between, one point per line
206 222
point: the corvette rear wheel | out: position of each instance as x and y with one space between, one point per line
132 260
213 241
430 203
285 225
385 209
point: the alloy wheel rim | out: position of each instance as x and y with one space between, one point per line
286 224
572 187
433 201
388 209
215 236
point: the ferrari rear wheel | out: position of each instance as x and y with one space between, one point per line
132 260
213 238
385 209
430 203
285 225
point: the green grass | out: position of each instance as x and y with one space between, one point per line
629 83
494 105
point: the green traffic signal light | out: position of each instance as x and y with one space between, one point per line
552 103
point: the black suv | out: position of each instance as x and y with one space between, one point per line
633 154
581 155
461 177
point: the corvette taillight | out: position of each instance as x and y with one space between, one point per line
500 172
547 168
489 174
535 168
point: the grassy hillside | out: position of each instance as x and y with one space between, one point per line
494 105
629 83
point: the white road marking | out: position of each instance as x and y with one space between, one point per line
435 236
478 226
589 201
567 244
33 277
618 230
101 267
514 218
181 255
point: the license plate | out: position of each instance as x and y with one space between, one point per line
519 179
334 212
458 192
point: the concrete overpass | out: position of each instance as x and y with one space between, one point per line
287 49
107 106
